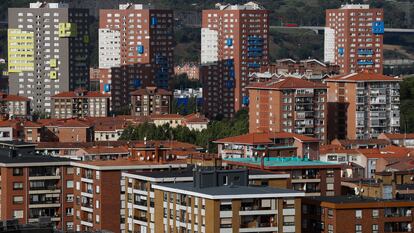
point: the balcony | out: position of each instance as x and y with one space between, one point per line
365 52
366 62
44 205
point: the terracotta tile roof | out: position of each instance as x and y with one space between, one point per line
399 135
151 90
89 94
349 142
287 83
76 145
10 123
324 149
13 97
262 138
32 124
176 145
387 152
166 116
106 150
362 77
196 118
73 123
166 144
128 162
400 164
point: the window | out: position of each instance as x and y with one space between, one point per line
17 214
358 213
226 223
17 185
330 228
330 213
374 228
69 170
17 199
97 204
98 175
77 185
98 190
69 198
288 220
69 226
97 218
69 184
17 171
69 211
358 228
375 213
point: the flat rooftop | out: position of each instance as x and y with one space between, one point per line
279 162
186 174
33 160
127 164
353 199
228 192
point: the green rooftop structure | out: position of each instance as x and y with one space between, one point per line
314 177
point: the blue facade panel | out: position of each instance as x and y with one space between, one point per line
107 87
378 27
140 49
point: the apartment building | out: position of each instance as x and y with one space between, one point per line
224 202
399 139
363 105
140 204
99 191
314 177
191 70
275 144
384 185
150 101
47 52
135 50
35 187
354 38
80 104
290 105
234 43
353 162
356 214
12 106
309 69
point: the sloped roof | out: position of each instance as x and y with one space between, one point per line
362 77
287 83
261 138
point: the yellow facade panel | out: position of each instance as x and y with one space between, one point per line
67 30
20 50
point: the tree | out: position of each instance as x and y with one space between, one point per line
215 130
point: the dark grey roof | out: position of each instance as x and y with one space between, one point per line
16 143
350 199
165 174
186 173
32 159
229 190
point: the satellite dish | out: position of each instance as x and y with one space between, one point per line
362 190
356 189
